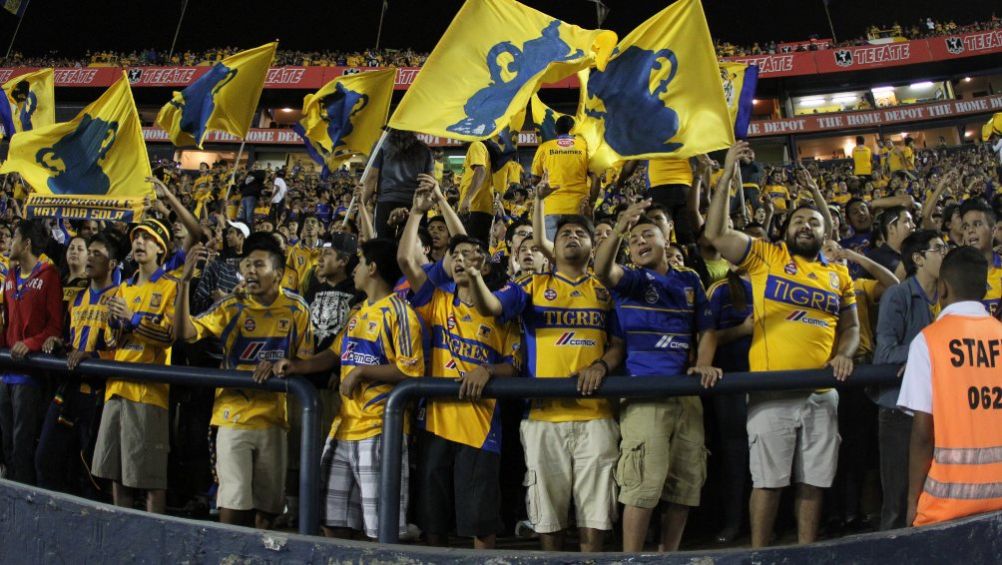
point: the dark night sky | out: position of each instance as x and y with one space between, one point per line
72 27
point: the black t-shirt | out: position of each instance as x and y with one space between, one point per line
329 308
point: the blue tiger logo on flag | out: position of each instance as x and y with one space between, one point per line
75 160
224 99
30 102
338 110
493 57
630 105
198 101
94 166
491 102
660 94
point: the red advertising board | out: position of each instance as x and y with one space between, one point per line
967 45
780 65
872 56
872 118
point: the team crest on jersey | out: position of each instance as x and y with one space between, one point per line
550 294
249 324
602 294
283 324
451 323
155 299
833 280
790 268
484 331
651 295
690 295
373 326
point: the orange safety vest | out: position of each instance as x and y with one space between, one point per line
966 473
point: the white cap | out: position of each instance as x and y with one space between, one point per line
241 227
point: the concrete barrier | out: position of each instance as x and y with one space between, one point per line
41 527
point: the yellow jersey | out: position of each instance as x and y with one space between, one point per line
462 339
302 258
385 332
862 160
251 332
665 171
90 328
147 337
566 159
439 171
510 173
866 304
567 325
993 297
779 195
484 199
796 304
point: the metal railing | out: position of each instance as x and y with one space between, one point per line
305 393
612 387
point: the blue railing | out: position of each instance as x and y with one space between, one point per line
305 393
612 387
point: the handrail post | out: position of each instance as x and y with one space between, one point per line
309 456
390 465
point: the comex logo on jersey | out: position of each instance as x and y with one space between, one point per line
568 339
802 317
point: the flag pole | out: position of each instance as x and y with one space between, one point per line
177 30
365 173
379 30
16 29
233 175
830 25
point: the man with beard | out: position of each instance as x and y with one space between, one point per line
661 310
460 446
570 443
804 318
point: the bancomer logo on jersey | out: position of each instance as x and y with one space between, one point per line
568 339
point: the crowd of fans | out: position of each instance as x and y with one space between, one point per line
384 57
504 271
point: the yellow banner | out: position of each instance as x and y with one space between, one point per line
31 102
493 57
224 99
660 94
347 115
93 166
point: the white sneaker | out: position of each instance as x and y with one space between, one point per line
413 533
524 530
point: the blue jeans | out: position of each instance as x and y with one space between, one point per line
246 213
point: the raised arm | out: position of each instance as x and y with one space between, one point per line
408 252
701 179
452 220
819 200
184 330
189 220
483 299
731 243
543 189
366 229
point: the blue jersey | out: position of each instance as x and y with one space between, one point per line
731 356
660 315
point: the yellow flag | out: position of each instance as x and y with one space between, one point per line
739 81
544 118
223 99
347 115
992 126
491 60
92 167
30 102
660 94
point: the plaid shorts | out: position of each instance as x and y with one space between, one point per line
350 474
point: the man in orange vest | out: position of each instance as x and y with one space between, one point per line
953 385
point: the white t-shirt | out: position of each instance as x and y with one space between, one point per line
280 189
916 384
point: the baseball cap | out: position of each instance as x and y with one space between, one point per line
155 228
240 227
